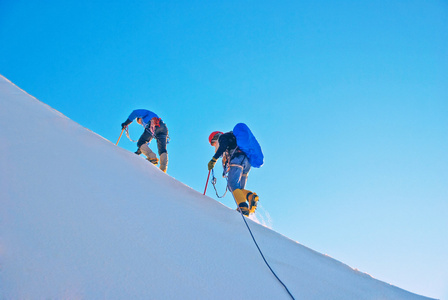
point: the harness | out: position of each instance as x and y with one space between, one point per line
227 158
155 122
153 125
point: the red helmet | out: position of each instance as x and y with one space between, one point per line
213 136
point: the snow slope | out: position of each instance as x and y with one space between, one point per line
81 218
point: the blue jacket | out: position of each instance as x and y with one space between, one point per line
144 114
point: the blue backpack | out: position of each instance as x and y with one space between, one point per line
247 143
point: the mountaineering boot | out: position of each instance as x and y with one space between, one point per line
240 198
252 199
164 161
153 160
244 209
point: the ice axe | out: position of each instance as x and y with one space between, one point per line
207 181
120 136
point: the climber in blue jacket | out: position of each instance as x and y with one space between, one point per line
154 128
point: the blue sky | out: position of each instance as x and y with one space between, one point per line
348 99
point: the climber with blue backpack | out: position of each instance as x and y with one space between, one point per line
240 151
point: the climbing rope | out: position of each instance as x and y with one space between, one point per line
129 137
251 234
214 185
261 253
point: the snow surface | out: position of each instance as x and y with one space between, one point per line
84 219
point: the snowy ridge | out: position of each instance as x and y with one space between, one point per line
82 218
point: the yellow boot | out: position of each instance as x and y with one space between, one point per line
240 198
252 199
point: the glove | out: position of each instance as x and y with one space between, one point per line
138 152
125 124
211 163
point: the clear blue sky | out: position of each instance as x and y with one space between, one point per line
348 99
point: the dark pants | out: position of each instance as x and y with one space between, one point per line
160 134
